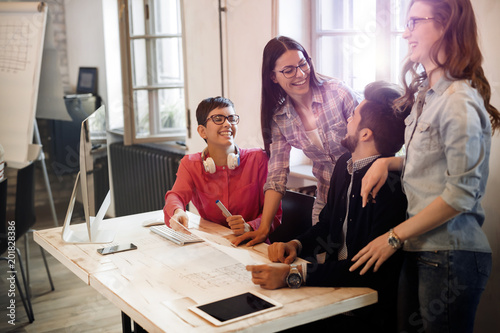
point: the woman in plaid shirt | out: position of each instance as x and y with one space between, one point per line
303 109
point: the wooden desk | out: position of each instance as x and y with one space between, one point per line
152 284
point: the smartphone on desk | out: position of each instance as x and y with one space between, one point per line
116 248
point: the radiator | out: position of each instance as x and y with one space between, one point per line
141 176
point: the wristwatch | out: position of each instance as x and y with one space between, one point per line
394 240
294 278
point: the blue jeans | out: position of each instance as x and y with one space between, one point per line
440 291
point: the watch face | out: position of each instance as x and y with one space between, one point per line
393 242
294 280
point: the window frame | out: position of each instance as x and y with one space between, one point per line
385 33
129 113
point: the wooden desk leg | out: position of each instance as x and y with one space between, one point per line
127 325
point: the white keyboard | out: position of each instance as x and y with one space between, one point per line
177 237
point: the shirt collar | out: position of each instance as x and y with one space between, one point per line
359 164
440 87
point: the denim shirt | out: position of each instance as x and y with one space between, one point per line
447 154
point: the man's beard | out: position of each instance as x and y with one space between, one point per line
350 143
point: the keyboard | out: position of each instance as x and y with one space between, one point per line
177 237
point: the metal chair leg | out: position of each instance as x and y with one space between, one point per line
29 311
47 269
25 284
21 294
44 261
27 255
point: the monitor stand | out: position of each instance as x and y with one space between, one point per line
90 234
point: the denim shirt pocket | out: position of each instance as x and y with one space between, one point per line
425 138
409 128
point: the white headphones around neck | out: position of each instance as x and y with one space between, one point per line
233 160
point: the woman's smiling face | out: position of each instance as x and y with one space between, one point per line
425 34
223 134
297 85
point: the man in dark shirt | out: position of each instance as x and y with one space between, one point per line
345 227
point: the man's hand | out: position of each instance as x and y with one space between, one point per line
179 217
269 276
238 224
282 252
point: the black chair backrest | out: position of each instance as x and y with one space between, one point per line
25 216
297 216
3 216
25 200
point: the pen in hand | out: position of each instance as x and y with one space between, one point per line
183 229
224 210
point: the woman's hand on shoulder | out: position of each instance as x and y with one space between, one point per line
374 179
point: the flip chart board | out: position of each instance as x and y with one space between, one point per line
22 31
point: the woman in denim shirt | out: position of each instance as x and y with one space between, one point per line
303 109
447 139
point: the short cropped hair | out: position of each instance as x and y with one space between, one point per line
208 104
380 116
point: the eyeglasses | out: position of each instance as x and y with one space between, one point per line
219 119
411 22
290 71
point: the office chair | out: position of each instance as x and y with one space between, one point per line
25 217
297 216
4 246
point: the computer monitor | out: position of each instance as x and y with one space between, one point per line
93 130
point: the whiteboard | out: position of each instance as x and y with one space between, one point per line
22 31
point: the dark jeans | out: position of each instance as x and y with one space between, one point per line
440 291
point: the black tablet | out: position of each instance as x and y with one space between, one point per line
231 309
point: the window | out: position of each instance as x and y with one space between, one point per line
154 90
359 41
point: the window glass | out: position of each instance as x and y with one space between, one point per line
360 41
172 115
355 65
139 63
167 17
346 14
157 75
168 56
141 107
137 15
399 10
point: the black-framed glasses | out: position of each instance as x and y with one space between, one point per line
219 119
290 71
411 22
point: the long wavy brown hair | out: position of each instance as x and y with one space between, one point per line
273 96
463 57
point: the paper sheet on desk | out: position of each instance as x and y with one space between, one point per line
204 272
208 270
242 255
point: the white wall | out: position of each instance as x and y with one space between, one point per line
85 41
488 14
246 30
